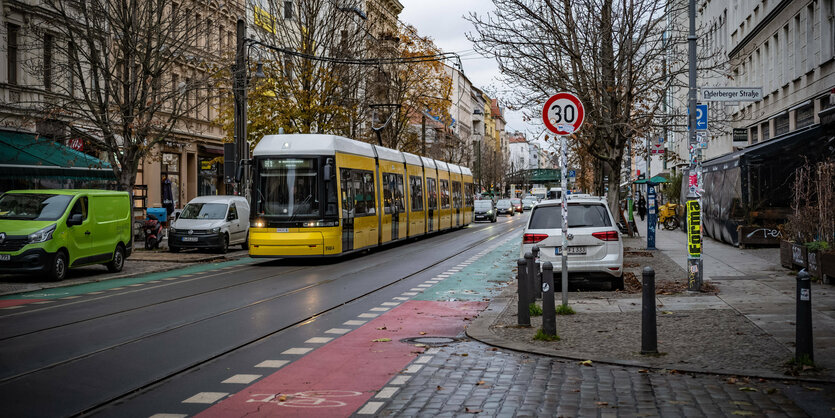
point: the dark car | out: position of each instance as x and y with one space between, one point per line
517 205
504 206
484 211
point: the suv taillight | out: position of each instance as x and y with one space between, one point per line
533 238
606 235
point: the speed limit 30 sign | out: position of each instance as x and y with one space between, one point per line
563 114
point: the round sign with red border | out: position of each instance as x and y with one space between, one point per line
563 113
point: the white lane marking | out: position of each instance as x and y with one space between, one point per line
354 322
413 368
43 302
400 298
416 289
386 392
444 275
116 288
370 408
297 350
452 271
12 307
136 285
400 380
423 359
206 397
318 340
368 315
153 281
424 285
273 364
70 297
409 293
379 309
95 293
169 416
242 378
337 331
390 303
433 281
433 351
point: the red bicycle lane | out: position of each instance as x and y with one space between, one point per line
338 378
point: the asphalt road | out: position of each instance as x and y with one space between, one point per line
138 349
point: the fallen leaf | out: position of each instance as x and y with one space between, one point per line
667 312
282 398
494 349
743 413
731 380
643 371
473 411
812 388
464 355
602 403
420 345
423 333
748 389
439 388
382 328
381 340
741 403
481 382
586 363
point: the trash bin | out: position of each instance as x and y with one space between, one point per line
160 213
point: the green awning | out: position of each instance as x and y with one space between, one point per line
27 155
655 179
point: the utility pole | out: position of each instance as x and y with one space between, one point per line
694 204
239 91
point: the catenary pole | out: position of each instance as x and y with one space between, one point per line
694 231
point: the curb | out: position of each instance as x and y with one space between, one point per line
480 330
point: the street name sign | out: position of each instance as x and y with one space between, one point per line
731 94
563 113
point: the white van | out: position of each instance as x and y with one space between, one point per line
214 222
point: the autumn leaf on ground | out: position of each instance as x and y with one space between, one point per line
586 363
748 389
667 312
282 398
439 387
602 403
481 382
464 355
743 413
381 340
731 380
643 371
473 411
382 328
812 388
423 333
741 403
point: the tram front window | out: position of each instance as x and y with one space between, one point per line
288 187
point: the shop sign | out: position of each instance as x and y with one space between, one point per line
205 165
694 229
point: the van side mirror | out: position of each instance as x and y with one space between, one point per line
75 219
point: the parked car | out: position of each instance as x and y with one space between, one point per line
214 222
504 206
484 211
517 205
528 203
45 232
595 248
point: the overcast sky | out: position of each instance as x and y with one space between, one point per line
443 21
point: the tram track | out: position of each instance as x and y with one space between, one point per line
188 367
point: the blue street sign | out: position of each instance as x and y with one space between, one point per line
572 173
701 117
652 218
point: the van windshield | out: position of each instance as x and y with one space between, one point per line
33 207
204 211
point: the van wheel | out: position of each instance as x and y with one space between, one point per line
57 269
245 244
118 262
617 284
224 246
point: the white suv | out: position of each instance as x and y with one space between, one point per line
595 249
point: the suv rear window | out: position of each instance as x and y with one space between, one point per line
579 216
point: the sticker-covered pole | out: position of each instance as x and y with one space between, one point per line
694 205
564 249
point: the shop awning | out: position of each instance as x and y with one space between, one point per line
811 140
28 155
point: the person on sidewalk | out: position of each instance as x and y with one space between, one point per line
642 206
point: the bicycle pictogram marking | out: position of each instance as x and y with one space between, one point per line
307 399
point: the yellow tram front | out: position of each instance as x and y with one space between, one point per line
294 195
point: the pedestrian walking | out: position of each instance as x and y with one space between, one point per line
642 206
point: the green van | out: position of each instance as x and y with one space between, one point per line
47 231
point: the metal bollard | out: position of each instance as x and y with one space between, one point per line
537 276
649 331
524 315
549 311
803 329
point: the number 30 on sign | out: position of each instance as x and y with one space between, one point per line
561 110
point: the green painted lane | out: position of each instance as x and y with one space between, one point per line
80 289
483 279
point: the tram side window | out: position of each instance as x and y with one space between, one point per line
398 193
432 194
456 194
347 193
468 194
417 193
388 191
369 202
444 194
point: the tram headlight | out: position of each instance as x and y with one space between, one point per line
319 224
259 223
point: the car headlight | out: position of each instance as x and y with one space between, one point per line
172 230
489 212
215 230
42 236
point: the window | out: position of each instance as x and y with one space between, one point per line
288 9
71 63
393 193
781 124
431 194
210 29
827 26
805 116
809 55
416 195
357 193
11 52
221 39
444 194
80 208
579 215
47 61
796 49
233 213
175 88
456 195
189 97
765 131
469 195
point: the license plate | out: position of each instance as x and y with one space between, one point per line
282 230
572 250
189 239
5 257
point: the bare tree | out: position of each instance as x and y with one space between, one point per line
611 53
127 74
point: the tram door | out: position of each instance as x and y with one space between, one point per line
432 202
456 201
347 191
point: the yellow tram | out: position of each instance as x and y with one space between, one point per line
325 195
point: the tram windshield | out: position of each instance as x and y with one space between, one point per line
288 187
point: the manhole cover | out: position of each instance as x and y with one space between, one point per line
431 340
